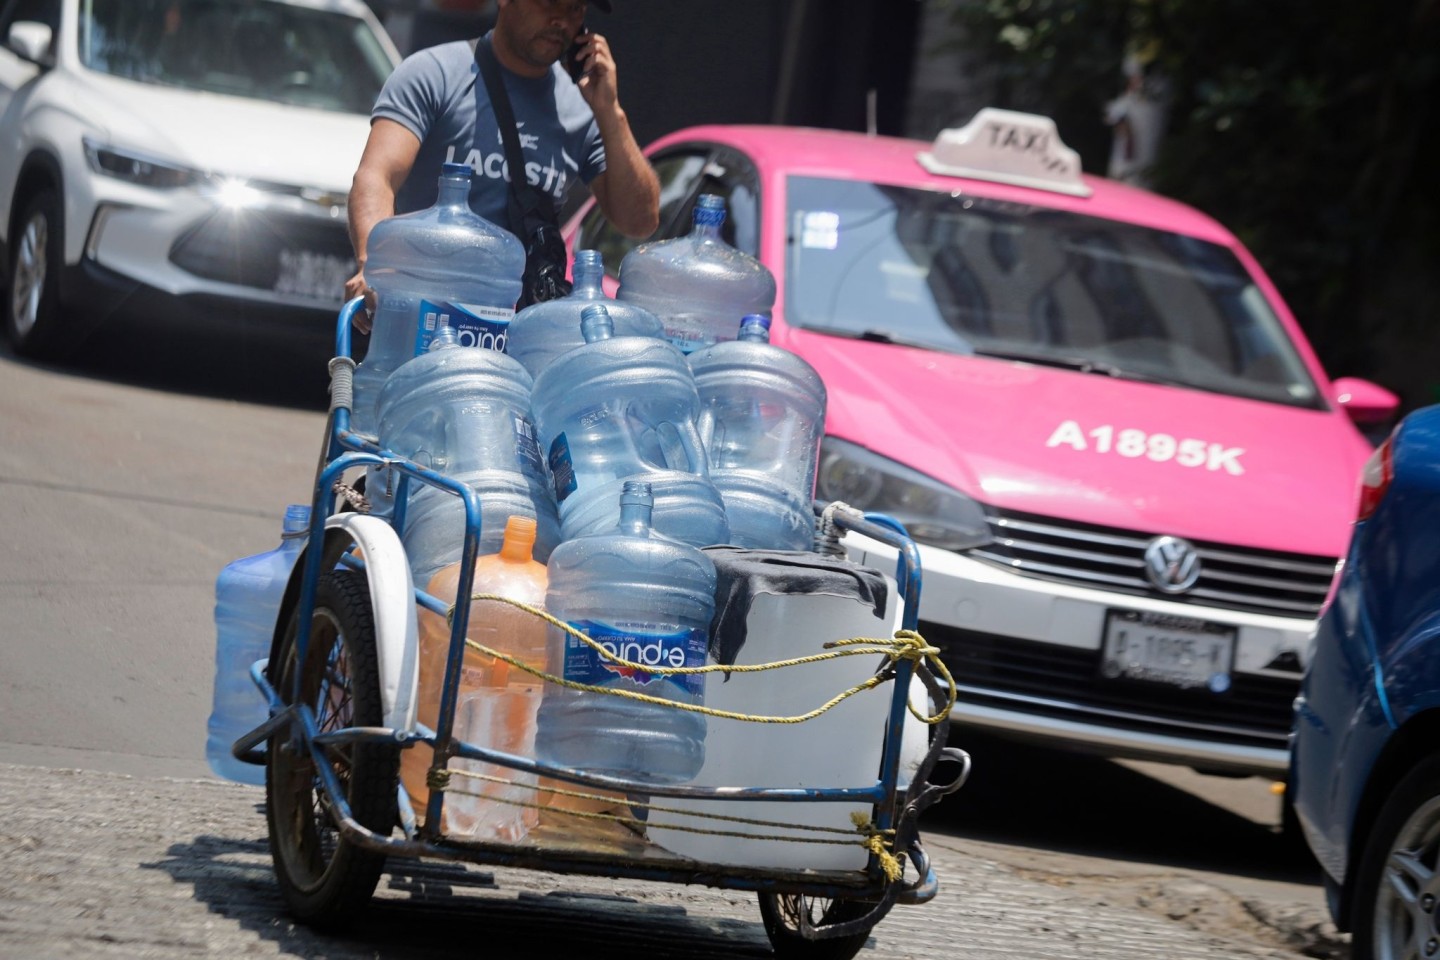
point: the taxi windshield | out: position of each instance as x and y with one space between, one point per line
280 52
964 274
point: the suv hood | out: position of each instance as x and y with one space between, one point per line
228 135
1096 449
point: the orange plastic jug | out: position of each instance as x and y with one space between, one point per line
497 702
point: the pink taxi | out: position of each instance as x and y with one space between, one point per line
1129 476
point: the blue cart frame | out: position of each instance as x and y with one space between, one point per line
292 722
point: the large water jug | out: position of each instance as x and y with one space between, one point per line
625 408
543 331
498 702
441 262
466 413
762 415
649 601
247 600
698 285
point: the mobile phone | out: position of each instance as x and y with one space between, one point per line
572 56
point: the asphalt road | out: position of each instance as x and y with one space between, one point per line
131 477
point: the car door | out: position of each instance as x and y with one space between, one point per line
685 171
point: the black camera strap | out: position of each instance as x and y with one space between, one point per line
526 204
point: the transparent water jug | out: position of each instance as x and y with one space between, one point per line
648 600
247 601
498 702
625 408
698 285
466 413
761 418
543 331
443 262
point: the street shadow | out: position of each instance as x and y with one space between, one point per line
231 359
1033 797
426 910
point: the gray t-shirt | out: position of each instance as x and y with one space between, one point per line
439 95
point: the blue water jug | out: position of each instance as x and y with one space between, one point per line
543 331
762 415
247 601
649 601
625 408
465 413
698 285
442 263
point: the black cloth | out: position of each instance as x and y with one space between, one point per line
743 574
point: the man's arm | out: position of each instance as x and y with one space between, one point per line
628 191
389 154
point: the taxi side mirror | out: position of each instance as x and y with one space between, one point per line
1364 402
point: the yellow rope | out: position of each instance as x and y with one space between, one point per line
907 645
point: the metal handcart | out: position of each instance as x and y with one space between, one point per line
340 682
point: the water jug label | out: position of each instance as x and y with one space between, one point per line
474 325
644 648
687 341
562 471
527 448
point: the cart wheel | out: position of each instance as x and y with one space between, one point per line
781 913
323 876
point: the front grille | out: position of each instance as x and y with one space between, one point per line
1231 578
249 248
1065 682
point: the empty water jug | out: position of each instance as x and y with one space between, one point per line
247 600
698 285
443 262
543 331
648 601
762 415
625 408
466 413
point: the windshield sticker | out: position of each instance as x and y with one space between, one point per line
1159 447
820 230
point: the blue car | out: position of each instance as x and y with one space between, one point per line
1365 758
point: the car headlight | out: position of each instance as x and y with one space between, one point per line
931 511
139 168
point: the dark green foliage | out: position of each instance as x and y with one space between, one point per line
1305 126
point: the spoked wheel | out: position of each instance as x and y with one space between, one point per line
1397 890
324 877
782 913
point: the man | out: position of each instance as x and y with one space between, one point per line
435 109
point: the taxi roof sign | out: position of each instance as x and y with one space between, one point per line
1009 147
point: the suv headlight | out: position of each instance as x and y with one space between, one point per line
931 511
139 168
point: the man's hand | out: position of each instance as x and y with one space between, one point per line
356 287
628 191
597 83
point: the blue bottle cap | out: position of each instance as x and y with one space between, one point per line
456 170
709 210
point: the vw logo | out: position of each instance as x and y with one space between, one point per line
1171 564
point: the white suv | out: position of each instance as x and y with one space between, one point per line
188 159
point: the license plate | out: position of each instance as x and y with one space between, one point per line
1176 651
319 276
